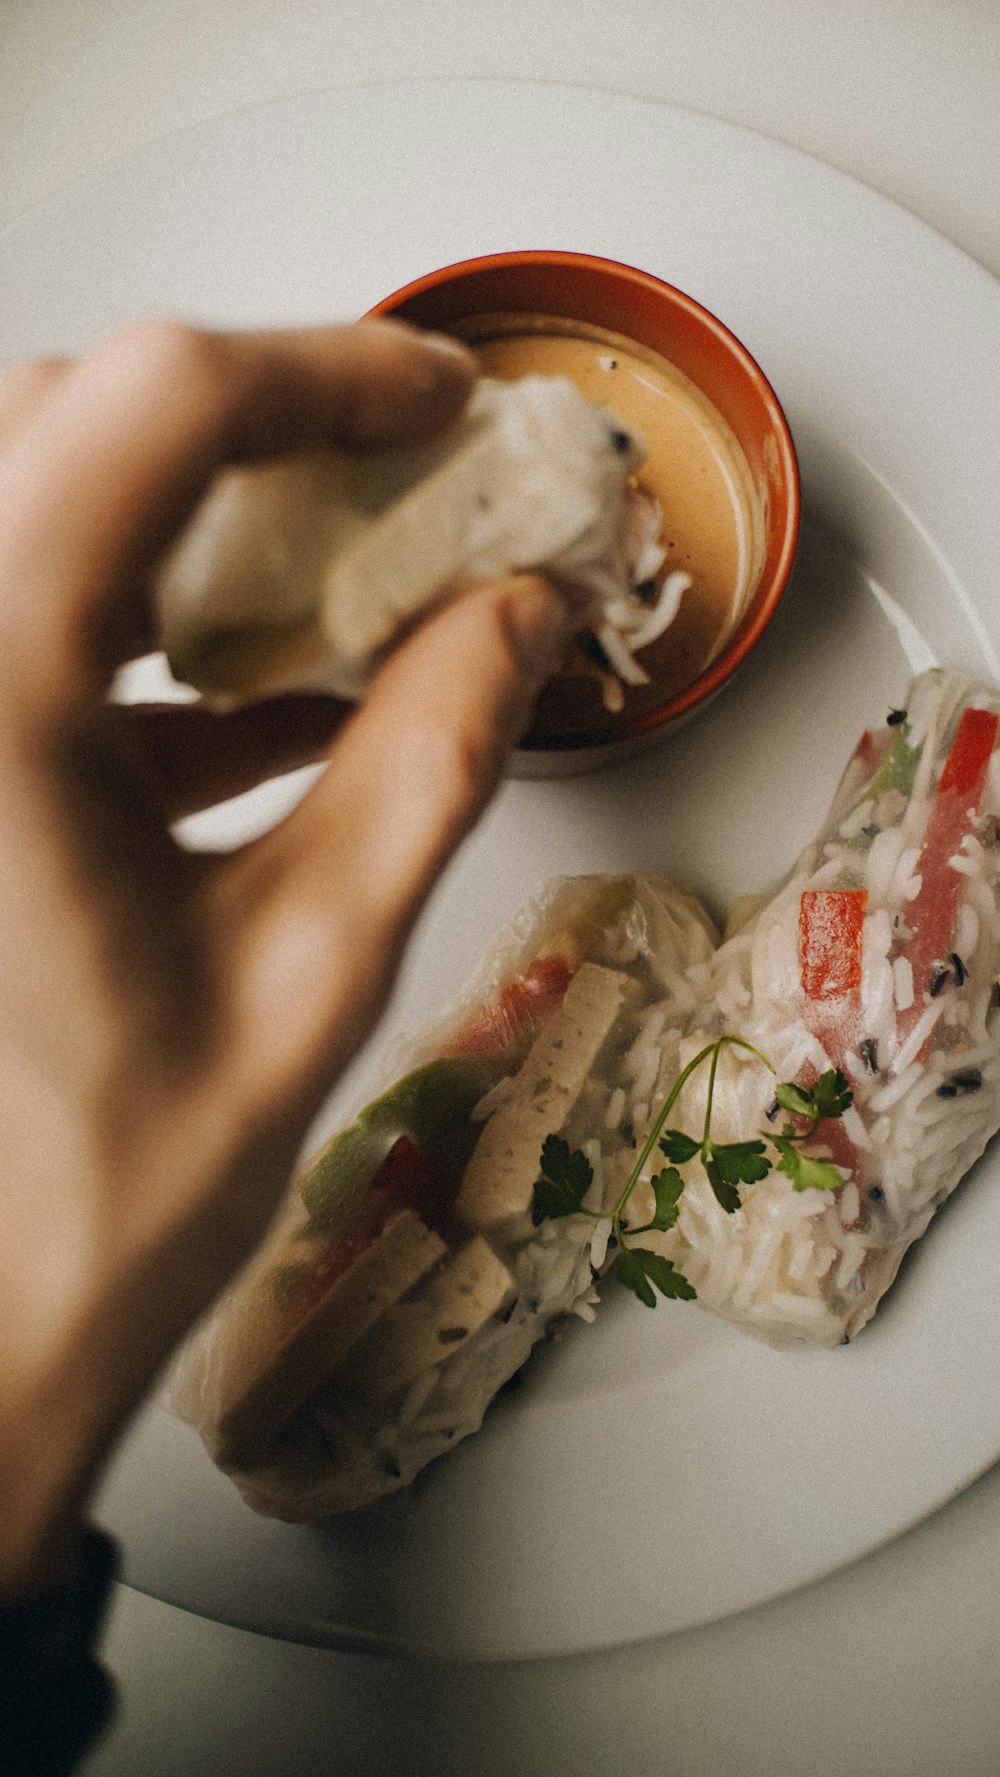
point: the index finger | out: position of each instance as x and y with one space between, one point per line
112 462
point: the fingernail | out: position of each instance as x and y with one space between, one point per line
444 364
444 347
445 367
541 626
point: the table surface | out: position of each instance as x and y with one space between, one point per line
890 1666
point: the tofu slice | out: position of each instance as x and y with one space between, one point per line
262 1402
500 1178
418 1335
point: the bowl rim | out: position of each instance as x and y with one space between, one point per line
762 609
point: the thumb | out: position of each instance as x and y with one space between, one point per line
326 901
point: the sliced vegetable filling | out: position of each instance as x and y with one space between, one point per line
407 1179
930 917
519 1008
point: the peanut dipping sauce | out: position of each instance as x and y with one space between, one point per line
713 524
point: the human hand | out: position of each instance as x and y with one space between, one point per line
170 1022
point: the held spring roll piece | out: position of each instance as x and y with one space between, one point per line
879 956
405 1280
300 574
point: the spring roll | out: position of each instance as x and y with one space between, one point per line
300 574
405 1280
879 957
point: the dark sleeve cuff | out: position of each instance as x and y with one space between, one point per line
54 1698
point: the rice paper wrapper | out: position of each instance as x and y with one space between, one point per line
318 1396
879 956
300 573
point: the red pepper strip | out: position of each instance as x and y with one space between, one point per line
831 923
406 1179
869 752
931 915
833 1137
525 1001
870 748
966 765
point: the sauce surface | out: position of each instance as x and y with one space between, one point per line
712 523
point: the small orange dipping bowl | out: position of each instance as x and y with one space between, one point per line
721 462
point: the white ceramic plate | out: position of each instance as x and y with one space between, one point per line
656 1470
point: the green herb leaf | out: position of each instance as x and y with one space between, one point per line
725 1192
797 1099
643 1271
830 1096
565 1181
667 1187
832 1093
679 1147
738 1161
805 1173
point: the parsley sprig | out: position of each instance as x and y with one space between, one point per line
566 1174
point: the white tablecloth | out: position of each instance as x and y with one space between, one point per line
890 1667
